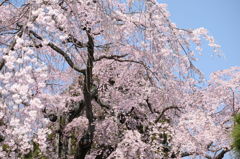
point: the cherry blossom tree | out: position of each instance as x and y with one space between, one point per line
108 79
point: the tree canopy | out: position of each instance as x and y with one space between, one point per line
109 79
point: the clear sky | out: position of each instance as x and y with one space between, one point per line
221 18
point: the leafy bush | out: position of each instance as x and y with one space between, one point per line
236 134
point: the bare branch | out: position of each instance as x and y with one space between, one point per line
66 57
105 46
112 57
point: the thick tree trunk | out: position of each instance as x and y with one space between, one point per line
85 143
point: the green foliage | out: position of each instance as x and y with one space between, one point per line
36 153
5 147
237 119
236 134
51 136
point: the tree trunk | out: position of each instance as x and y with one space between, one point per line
85 143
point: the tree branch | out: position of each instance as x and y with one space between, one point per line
66 57
149 105
76 42
112 57
61 52
3 2
141 63
164 110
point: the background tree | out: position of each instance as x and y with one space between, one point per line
108 79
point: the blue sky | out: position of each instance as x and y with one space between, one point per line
221 18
